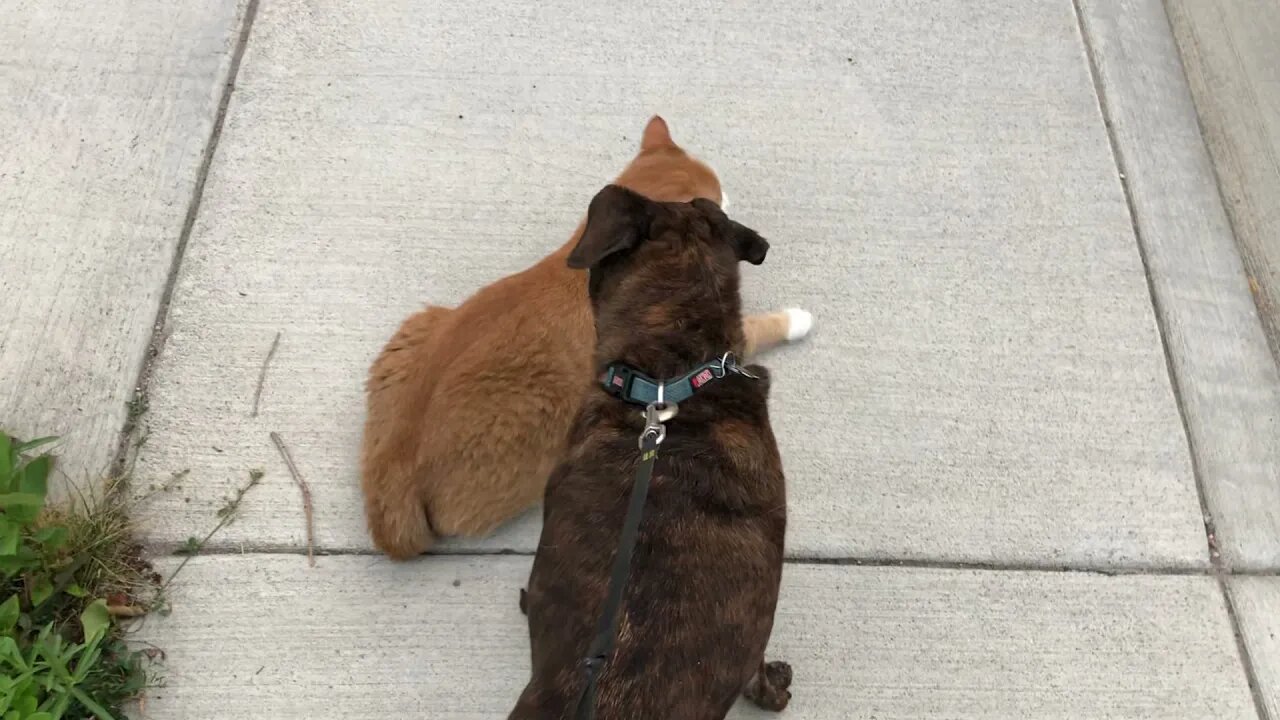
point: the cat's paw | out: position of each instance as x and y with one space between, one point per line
799 323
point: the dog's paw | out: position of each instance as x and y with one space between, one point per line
778 674
799 323
768 688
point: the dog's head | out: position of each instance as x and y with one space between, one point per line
654 256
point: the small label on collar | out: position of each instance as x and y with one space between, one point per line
701 378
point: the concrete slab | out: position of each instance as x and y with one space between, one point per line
107 110
986 383
358 637
1230 387
1257 605
1232 60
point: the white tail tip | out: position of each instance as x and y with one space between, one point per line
799 323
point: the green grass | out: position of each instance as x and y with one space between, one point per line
68 575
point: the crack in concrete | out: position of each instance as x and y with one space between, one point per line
868 562
120 461
1217 568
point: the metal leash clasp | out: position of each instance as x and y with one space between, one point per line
729 364
655 414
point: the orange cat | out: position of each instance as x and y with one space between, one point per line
469 408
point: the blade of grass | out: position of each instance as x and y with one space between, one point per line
91 706
30 445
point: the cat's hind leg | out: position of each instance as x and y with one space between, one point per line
392 477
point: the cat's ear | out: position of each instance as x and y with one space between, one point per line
656 135
617 219
747 243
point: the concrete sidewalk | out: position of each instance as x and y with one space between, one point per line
1031 448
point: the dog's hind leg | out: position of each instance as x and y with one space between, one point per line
768 688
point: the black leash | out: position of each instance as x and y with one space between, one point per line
659 398
607 630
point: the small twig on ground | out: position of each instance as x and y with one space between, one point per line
262 376
226 514
306 496
126 611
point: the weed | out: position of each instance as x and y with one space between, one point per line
137 407
190 547
65 574
226 515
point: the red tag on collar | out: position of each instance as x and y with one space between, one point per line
701 378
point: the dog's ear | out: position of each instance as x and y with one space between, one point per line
617 219
747 243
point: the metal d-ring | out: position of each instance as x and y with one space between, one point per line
722 369
665 410
729 364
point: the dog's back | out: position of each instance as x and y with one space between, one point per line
698 607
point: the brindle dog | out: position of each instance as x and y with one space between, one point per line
698 606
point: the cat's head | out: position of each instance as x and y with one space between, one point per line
663 171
